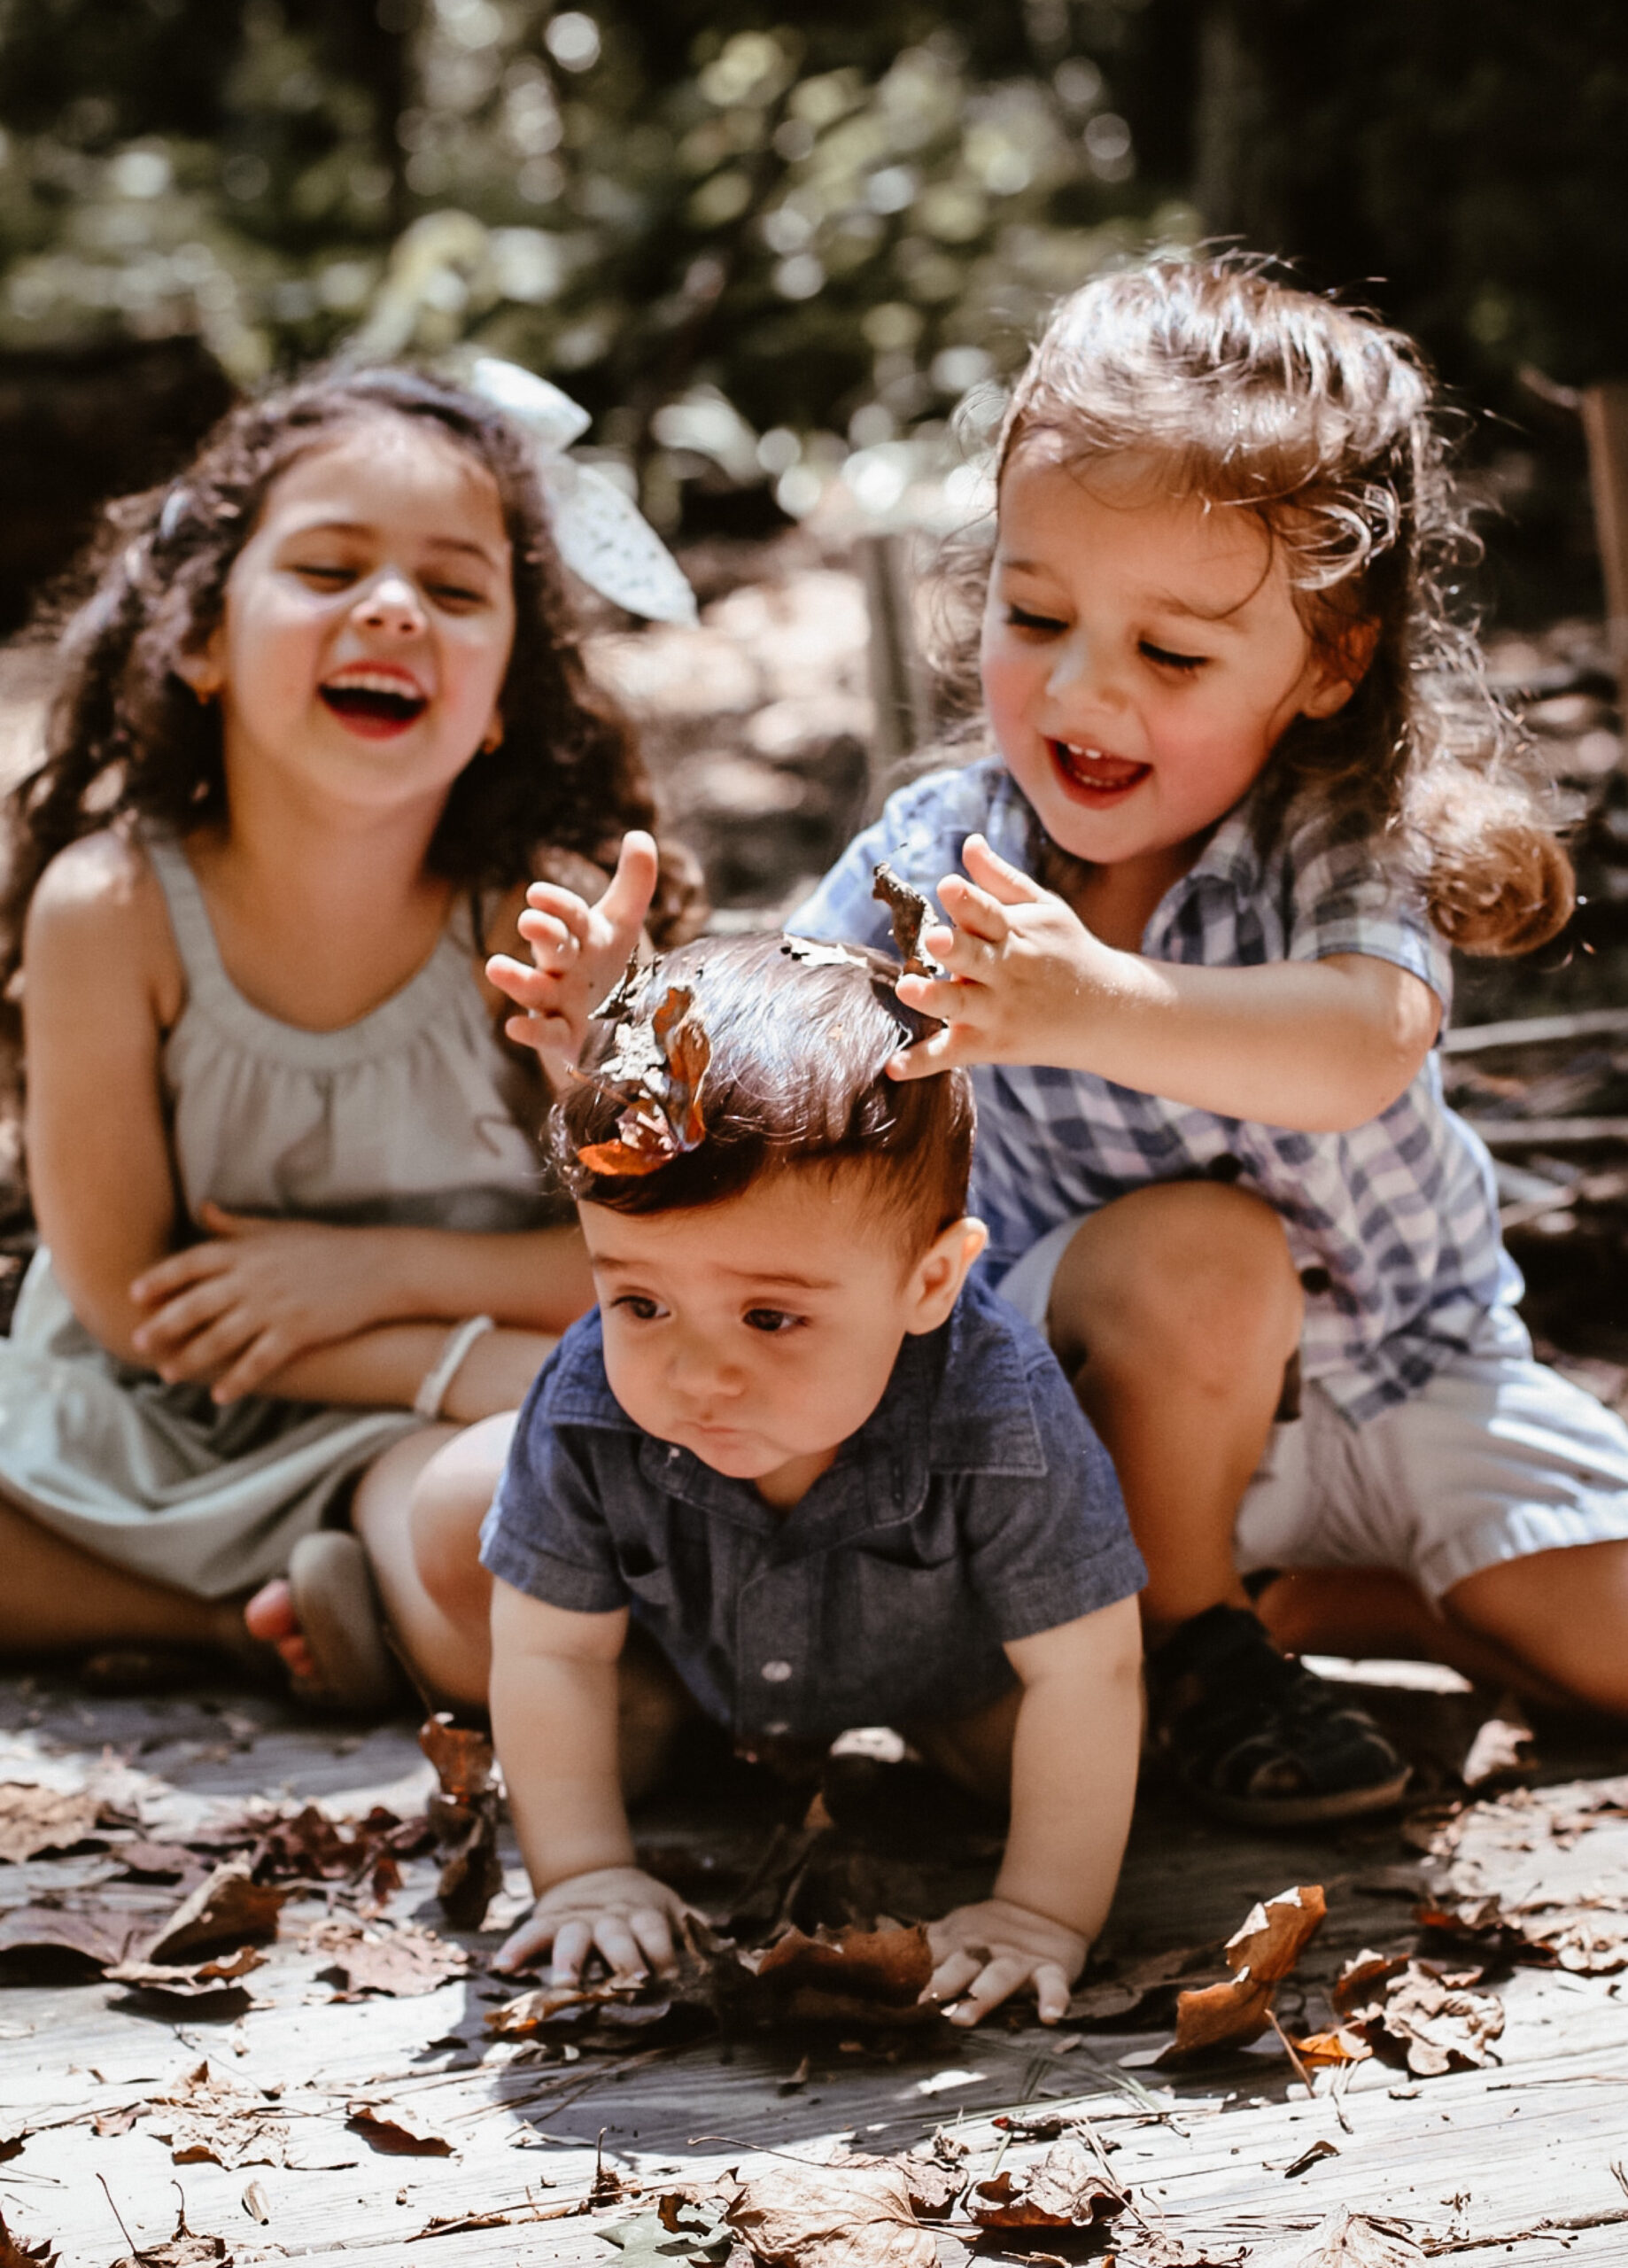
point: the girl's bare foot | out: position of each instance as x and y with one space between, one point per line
270 1617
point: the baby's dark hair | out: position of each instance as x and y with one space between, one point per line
127 740
1259 396
796 1081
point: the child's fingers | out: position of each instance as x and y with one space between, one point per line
649 1926
996 1982
1007 883
183 1316
1051 1991
573 1941
616 1942
973 910
260 1360
550 938
553 1037
520 1948
632 886
568 912
518 980
952 1976
172 1274
926 1058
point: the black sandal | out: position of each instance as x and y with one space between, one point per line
1255 1737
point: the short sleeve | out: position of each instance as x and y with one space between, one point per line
1346 899
1047 1549
921 833
545 1534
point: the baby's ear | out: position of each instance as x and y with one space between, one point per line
1342 666
938 1276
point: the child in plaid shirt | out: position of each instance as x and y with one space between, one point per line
1244 786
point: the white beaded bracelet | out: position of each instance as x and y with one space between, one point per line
437 1379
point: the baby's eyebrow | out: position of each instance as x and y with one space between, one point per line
365 527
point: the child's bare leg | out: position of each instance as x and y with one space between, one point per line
418 1511
1562 1615
1377 1611
57 1599
1175 1310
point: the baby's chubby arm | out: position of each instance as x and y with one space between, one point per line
579 950
1321 1045
1073 1779
553 1719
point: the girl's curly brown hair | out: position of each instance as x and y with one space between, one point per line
127 738
1262 397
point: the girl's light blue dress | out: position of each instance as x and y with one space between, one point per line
413 1114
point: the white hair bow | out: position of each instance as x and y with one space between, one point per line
601 534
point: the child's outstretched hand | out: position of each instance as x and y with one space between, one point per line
1021 965
625 1915
579 950
984 1953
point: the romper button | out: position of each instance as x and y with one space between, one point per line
776 1672
778 1729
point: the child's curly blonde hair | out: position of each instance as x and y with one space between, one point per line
1258 396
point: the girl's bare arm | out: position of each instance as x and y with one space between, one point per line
99 989
1319 1045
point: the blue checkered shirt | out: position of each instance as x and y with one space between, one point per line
1393 1226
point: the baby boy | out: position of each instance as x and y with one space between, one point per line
799 1473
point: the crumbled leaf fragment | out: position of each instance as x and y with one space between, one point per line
400 1963
1065 2189
16 2252
1309 2156
839 2216
33 1819
660 1070
185 2249
230 1908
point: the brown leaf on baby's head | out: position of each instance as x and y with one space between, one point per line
910 912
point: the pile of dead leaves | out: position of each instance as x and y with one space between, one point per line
1570 1844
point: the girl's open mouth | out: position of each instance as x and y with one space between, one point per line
373 703
1091 775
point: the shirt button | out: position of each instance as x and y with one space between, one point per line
778 1729
672 1455
1316 1281
776 1672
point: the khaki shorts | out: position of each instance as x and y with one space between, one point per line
1496 1457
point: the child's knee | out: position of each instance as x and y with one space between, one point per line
445 1519
1195 1277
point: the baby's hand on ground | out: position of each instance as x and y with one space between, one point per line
984 1953
625 1916
579 950
1021 966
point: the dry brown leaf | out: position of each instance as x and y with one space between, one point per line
159 1861
1065 2189
185 2249
842 2216
98 1935
1321 2050
33 1819
208 2119
206 1980
1311 2156
311 1846
1435 2017
908 913
1348 2239
519 2018
853 1976
391 2136
1261 1955
401 1962
1363 1978
228 1908
14 2253
459 2225
463 1758
1100 2002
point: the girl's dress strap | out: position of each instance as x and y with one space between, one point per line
189 918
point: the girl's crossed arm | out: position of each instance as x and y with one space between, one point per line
302 1309
1073 1780
553 1721
1321 1045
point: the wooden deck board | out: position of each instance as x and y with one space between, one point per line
1476 2157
